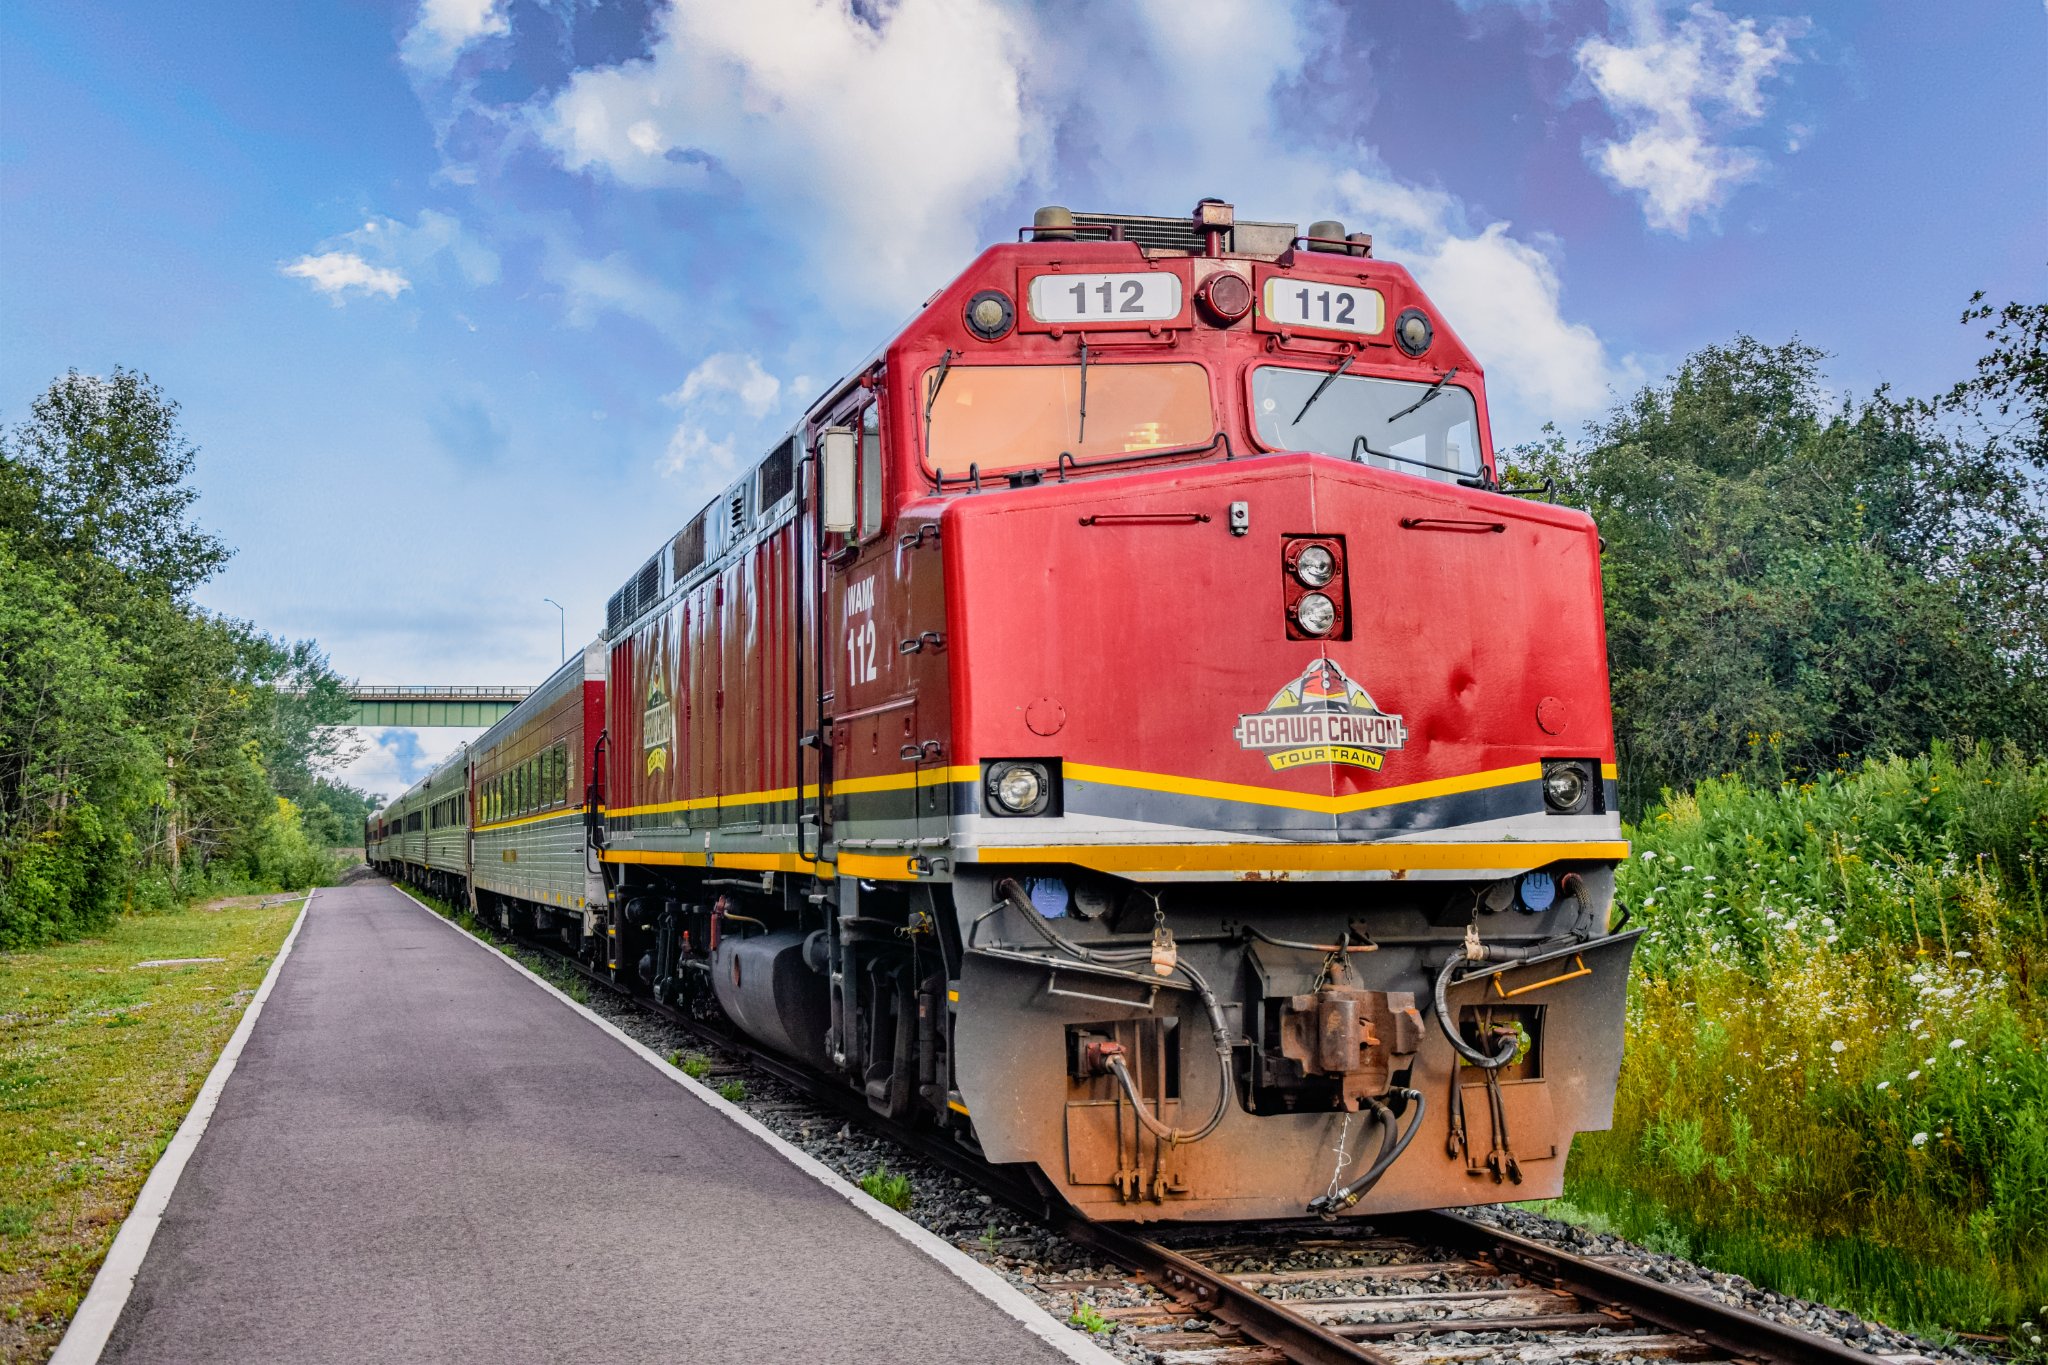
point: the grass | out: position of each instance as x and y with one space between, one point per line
1088 1319
99 1060
1837 1071
888 1187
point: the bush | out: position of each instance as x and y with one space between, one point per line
1837 1040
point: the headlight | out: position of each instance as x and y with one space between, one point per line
1019 788
1315 566
1315 614
1566 787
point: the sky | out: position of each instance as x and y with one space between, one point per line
471 303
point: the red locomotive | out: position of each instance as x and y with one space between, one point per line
1126 723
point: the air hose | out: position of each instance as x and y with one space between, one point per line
1474 951
1219 1027
1391 1147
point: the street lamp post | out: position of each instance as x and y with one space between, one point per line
563 622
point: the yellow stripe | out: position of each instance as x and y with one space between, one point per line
953 996
958 1107
1380 857
1305 801
1609 770
924 777
743 862
532 819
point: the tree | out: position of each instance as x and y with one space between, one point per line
99 479
1792 583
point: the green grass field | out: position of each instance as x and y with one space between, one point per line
99 1060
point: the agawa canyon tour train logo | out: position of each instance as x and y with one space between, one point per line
1322 717
657 726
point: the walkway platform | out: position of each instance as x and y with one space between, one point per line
423 1155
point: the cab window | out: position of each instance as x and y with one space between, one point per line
1004 417
1417 428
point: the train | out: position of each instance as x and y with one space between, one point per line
1126 725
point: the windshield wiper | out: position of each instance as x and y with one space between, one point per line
1328 380
1465 477
1434 389
1082 438
945 365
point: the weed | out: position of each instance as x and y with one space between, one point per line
696 1066
888 1188
989 1240
1087 1319
733 1091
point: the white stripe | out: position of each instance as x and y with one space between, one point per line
94 1323
978 1277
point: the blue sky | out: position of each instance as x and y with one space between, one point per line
471 302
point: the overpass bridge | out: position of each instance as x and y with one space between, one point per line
433 705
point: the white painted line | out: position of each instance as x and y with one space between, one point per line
978 1277
94 1322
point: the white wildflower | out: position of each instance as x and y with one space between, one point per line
1648 854
1686 868
1960 952
1915 1023
1884 1085
1919 1139
1954 1044
1838 1046
1912 1075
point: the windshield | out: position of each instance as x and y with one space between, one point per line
999 417
1443 432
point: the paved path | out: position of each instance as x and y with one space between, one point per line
423 1156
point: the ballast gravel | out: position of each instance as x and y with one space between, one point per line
1084 1293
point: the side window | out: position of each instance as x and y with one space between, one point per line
870 470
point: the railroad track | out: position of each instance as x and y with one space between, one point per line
1410 1289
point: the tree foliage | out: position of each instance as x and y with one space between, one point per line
146 745
1794 582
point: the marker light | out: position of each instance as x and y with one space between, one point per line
990 315
1568 786
1019 788
1315 566
1413 331
1315 614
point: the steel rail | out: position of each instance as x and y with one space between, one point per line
1270 1322
1718 1325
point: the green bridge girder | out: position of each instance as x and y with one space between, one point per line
430 706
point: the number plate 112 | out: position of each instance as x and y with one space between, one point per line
1144 296
1325 307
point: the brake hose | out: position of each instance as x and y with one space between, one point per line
1334 1203
1219 1027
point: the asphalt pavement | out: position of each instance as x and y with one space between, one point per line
424 1156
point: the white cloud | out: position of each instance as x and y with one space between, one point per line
335 273
1501 296
730 373
1675 92
716 393
445 27
877 142
420 245
880 145
613 284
